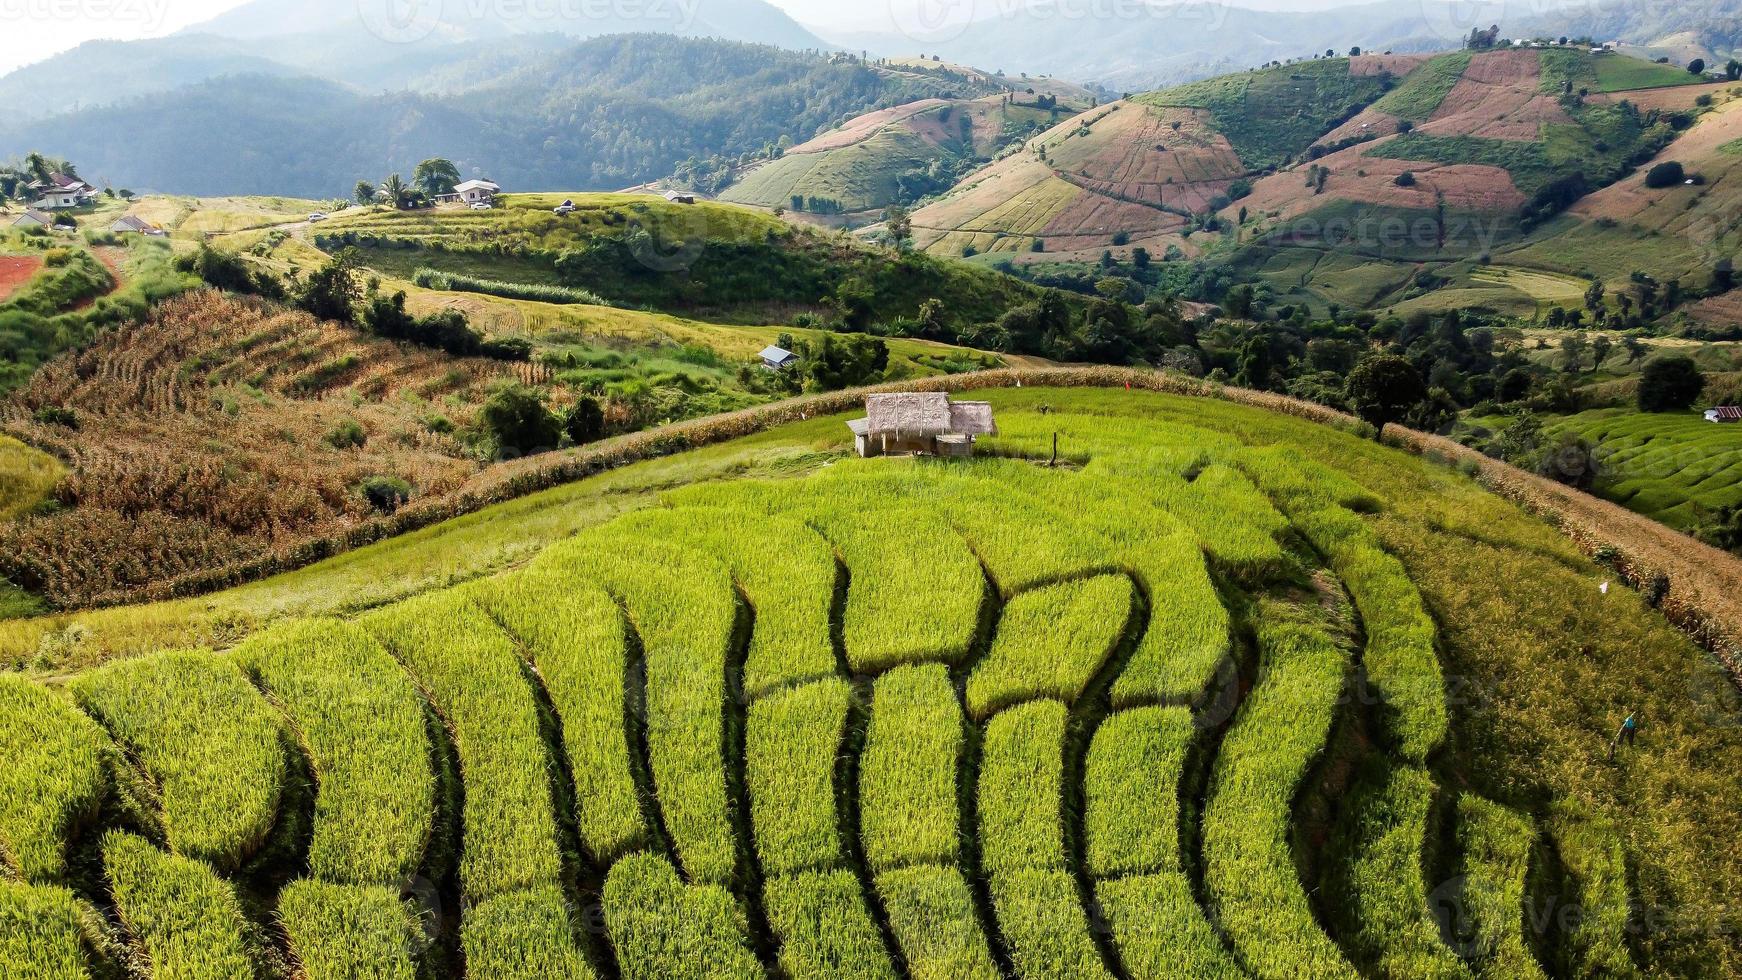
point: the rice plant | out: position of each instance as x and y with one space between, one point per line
1022 787
908 770
664 929
213 745
825 929
1045 925
472 674
1376 889
53 773
41 933
1496 843
1160 930
1249 871
575 636
361 721
1023 541
1401 660
1187 640
685 610
1402 663
1591 849
349 932
787 572
523 935
915 588
914 591
184 917
1131 818
792 744
1301 484
931 913
1051 642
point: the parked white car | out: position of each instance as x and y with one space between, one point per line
316 216
564 208
481 206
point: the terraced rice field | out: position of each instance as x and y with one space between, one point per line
1125 169
1674 468
889 719
857 165
1546 288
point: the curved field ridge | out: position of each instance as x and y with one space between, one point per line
1258 899
361 721
1097 724
685 612
1051 642
1496 843
473 676
787 572
1401 660
54 769
577 642
1377 885
209 741
186 919
41 932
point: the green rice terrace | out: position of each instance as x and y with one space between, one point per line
1199 690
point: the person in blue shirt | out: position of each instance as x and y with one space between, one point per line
1629 731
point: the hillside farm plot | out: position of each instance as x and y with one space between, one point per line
1177 706
15 271
1674 467
1498 96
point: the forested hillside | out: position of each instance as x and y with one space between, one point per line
603 114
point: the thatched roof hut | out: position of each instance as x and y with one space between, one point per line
921 422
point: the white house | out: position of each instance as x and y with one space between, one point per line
132 225
32 218
679 197
60 191
778 358
476 192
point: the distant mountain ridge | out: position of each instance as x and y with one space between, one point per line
1151 45
594 115
454 45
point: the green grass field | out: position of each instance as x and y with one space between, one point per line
1276 113
1674 467
764 707
1619 73
1421 92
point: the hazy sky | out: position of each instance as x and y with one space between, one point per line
31 30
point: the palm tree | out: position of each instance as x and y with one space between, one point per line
436 176
365 192
37 165
395 187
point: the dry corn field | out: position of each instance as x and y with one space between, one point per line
220 429
1223 694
